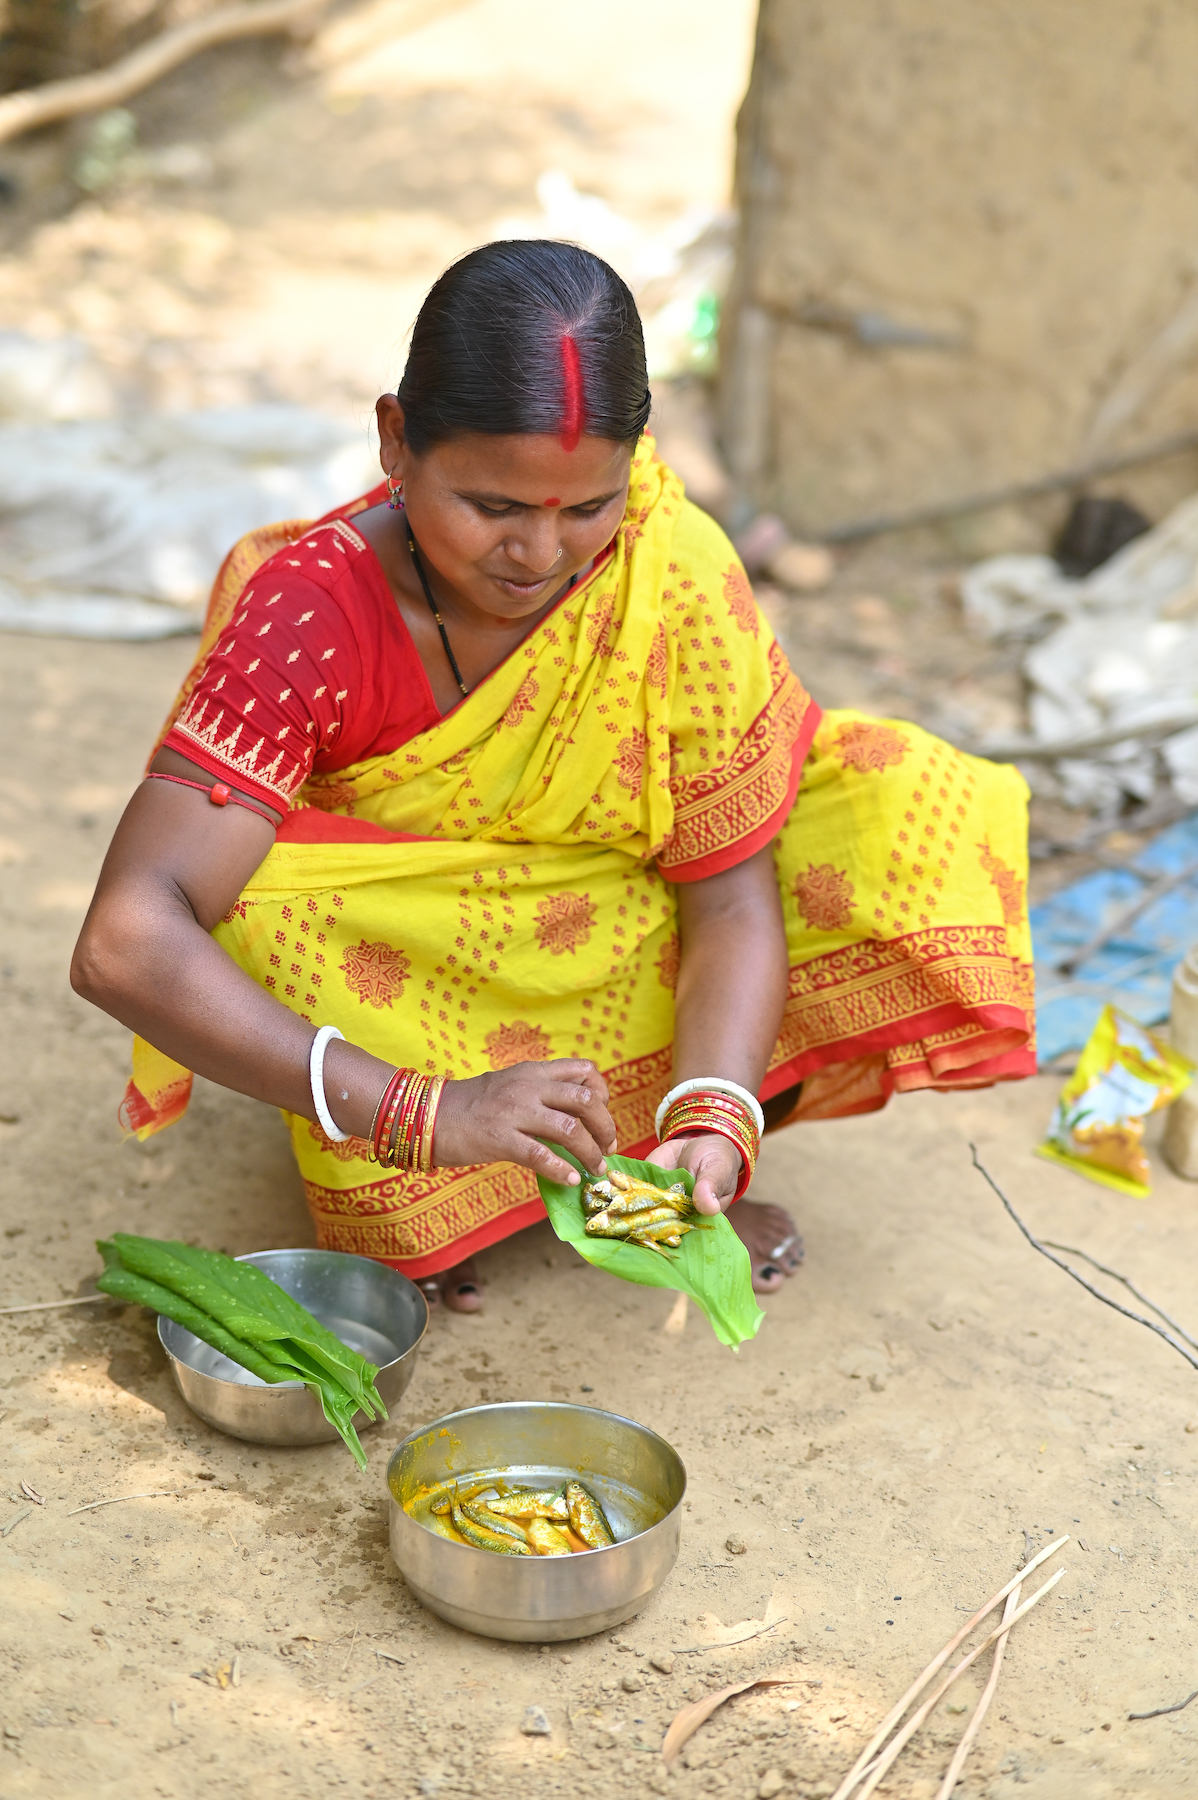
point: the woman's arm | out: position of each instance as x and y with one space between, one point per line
174 868
728 1007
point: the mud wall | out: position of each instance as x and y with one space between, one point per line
968 249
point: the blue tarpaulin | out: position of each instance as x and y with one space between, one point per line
1134 969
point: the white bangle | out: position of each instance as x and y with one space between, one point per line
711 1084
328 1123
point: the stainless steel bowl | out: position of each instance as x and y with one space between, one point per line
638 1478
372 1308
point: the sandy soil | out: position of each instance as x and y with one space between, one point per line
925 1400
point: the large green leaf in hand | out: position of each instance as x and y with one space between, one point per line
711 1264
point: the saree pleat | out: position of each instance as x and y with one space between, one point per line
503 888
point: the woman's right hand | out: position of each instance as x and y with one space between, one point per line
501 1117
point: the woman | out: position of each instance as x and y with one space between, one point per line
495 772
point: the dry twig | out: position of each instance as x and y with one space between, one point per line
1098 1294
31 107
730 1643
13 1523
154 1494
938 1661
1155 890
877 1770
1068 1250
1160 1711
52 1305
953 1773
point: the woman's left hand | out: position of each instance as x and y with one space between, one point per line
713 1161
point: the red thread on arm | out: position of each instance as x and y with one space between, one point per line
573 402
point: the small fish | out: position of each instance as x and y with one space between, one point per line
546 1539
484 1539
621 1194
442 1504
586 1516
482 1515
604 1225
532 1503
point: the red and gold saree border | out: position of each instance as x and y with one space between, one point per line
724 815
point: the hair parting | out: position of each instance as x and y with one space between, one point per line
573 403
526 337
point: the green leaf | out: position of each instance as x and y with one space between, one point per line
137 1291
239 1310
711 1264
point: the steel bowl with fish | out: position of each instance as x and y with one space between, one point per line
485 1464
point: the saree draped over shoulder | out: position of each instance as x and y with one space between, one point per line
502 887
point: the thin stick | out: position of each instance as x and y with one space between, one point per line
1154 891
13 1523
53 1305
1167 722
1160 1711
898 1743
154 1494
979 1712
1098 1294
388 1657
31 107
1068 1250
896 1712
731 1643
350 1651
1077 476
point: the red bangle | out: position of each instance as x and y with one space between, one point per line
696 1114
384 1117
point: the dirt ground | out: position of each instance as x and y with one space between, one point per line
926 1401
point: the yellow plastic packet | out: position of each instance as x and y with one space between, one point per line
1124 1073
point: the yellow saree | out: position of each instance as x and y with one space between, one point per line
502 887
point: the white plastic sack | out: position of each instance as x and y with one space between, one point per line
1123 655
115 528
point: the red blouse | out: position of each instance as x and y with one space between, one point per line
316 671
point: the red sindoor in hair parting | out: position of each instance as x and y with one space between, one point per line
573 403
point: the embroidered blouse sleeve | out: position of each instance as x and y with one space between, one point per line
276 689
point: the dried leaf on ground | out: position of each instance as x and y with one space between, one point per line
684 1724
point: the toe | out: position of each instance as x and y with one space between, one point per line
463 1296
768 1279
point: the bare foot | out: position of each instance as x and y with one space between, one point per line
458 1288
768 1234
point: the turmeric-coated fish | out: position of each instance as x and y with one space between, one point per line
621 1194
483 1538
531 1503
481 1514
587 1517
605 1224
546 1539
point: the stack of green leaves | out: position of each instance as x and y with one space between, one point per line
247 1317
711 1264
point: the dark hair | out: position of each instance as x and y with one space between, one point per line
526 336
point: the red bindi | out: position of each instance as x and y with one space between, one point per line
553 502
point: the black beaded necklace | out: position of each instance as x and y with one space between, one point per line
432 606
